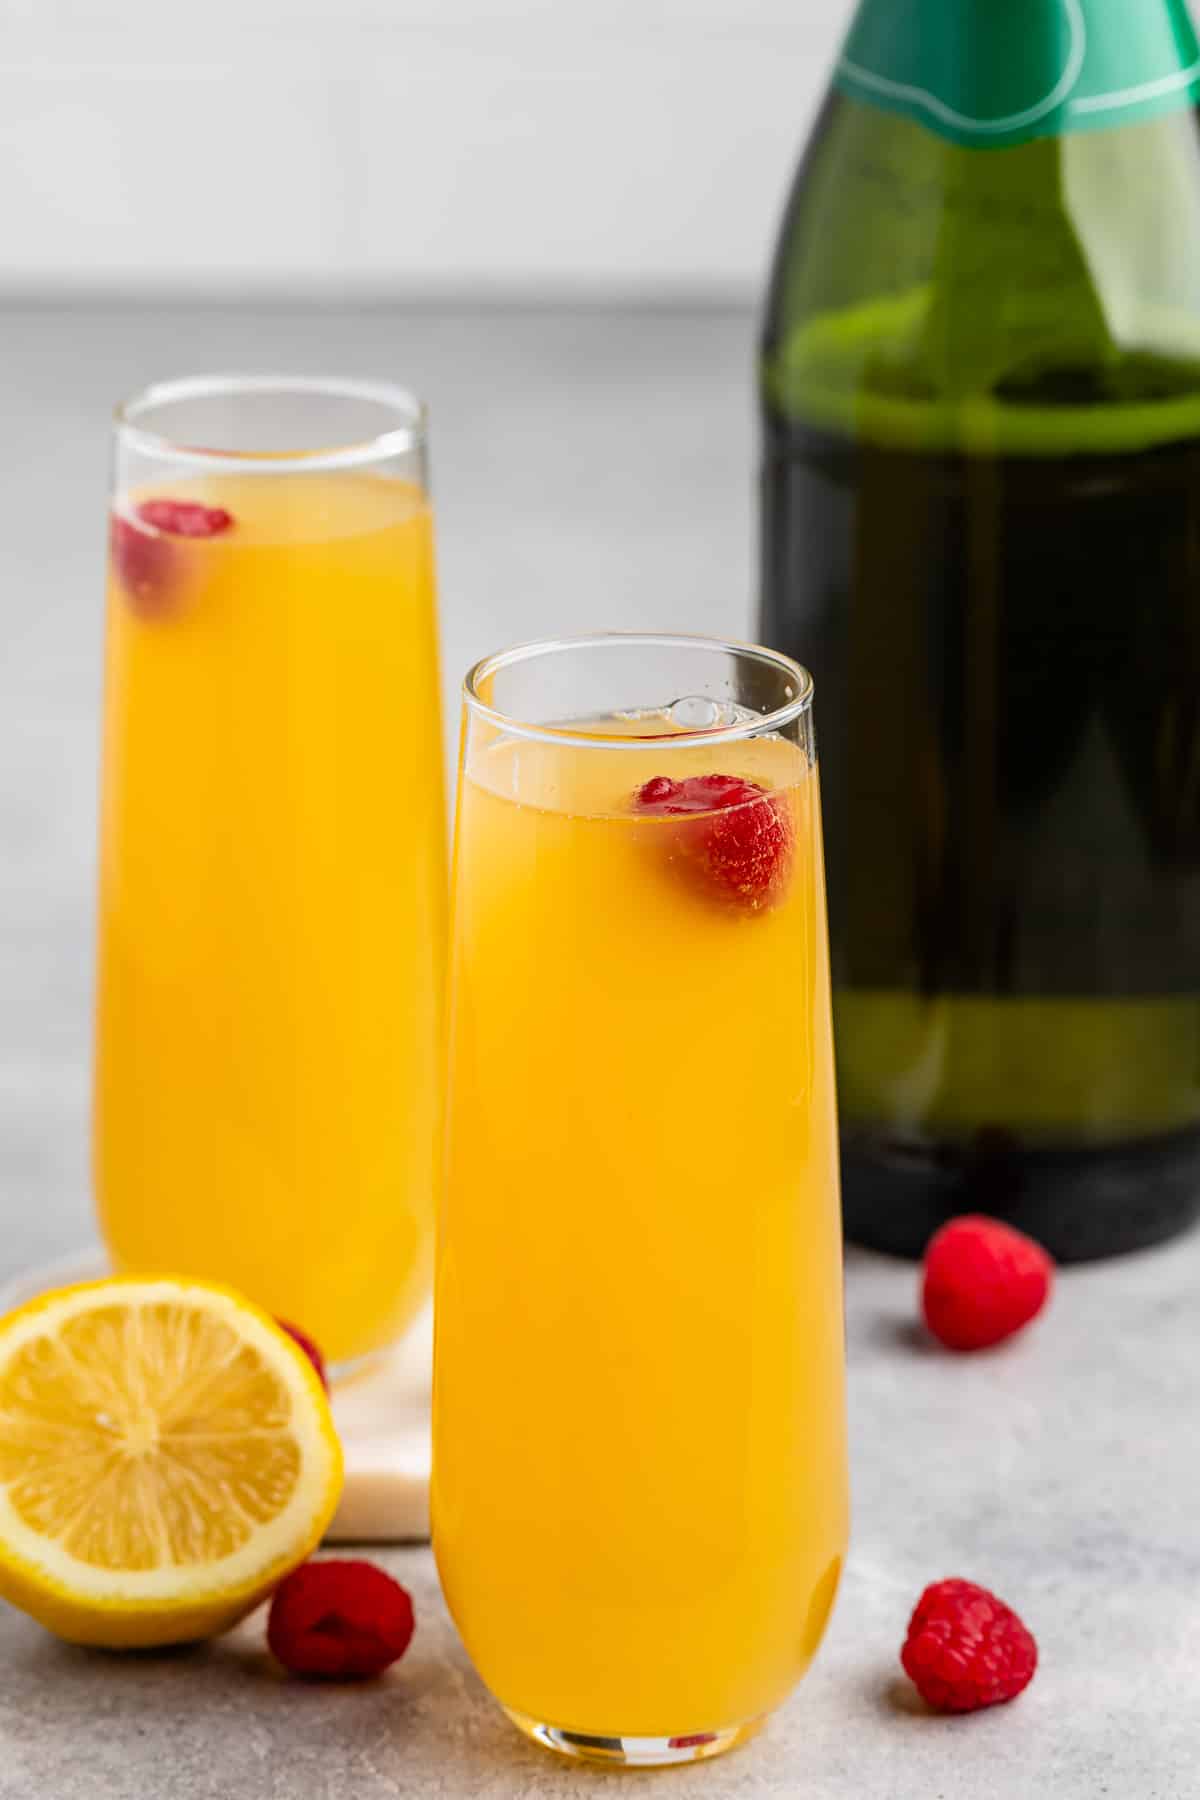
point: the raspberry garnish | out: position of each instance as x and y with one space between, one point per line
142 561
142 553
184 518
339 1620
739 840
309 1348
966 1649
982 1281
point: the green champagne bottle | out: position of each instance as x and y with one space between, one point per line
981 531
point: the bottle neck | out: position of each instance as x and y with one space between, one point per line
992 73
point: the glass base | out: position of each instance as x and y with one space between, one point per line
636 1752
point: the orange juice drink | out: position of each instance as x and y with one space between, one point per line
640 1503
272 890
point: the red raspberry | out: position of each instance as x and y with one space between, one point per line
740 843
982 1281
309 1348
142 553
185 518
142 561
339 1620
965 1649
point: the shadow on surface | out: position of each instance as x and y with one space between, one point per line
893 1331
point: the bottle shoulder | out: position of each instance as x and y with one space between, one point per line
1060 274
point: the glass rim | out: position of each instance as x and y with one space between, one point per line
406 435
795 708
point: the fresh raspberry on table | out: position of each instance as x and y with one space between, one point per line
309 1348
966 1649
734 839
339 1620
982 1281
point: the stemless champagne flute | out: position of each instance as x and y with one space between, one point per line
639 1478
272 871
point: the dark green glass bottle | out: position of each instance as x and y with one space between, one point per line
981 531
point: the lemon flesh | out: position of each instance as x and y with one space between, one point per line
167 1453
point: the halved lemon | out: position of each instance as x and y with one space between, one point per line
167 1454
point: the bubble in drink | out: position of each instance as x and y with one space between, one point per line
695 712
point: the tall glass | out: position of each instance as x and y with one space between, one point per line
272 880
639 1481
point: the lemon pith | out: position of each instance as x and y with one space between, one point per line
166 1455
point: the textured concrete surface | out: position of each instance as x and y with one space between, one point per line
589 468
1061 1470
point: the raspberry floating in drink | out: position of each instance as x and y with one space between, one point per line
737 844
143 556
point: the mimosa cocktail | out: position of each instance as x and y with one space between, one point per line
639 1462
272 880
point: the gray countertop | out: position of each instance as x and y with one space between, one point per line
591 467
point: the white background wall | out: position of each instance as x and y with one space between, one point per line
619 146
